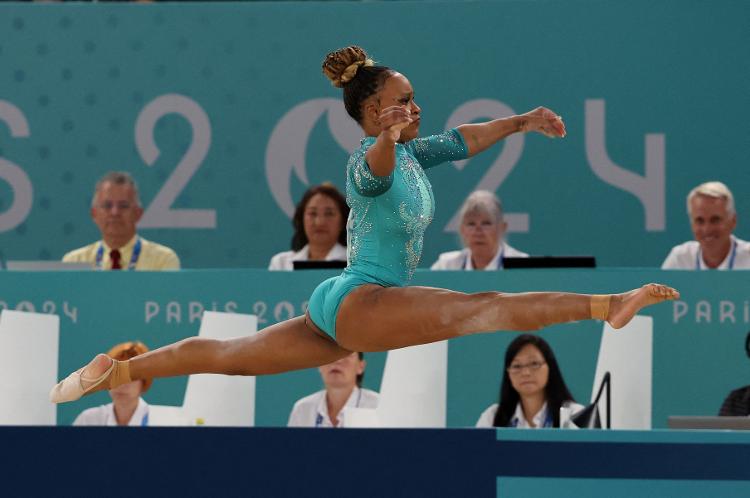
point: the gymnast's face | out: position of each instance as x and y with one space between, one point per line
481 233
528 371
322 220
398 91
711 222
342 373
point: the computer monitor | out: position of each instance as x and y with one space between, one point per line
319 265
46 266
550 262
702 422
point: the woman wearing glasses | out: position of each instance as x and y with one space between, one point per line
532 390
482 230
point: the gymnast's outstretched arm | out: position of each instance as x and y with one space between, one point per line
480 136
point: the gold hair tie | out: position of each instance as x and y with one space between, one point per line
351 70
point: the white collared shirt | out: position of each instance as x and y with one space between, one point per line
105 415
518 420
461 260
312 410
686 256
285 260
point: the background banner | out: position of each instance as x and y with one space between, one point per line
222 115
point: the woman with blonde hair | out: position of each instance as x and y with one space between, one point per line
370 307
482 231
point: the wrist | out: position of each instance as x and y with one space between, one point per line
389 137
519 123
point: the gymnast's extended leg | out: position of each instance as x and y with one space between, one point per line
373 318
285 346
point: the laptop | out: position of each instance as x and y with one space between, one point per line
46 266
319 265
550 262
711 422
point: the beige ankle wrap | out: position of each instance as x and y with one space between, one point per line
120 374
600 306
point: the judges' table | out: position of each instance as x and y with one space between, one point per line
698 353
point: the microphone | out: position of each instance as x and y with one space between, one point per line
588 418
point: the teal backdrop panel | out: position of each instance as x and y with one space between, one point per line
221 113
571 487
698 342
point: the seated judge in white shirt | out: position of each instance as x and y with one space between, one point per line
483 235
712 219
319 228
343 389
532 390
127 407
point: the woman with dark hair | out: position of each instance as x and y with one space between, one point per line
343 389
370 307
319 228
532 390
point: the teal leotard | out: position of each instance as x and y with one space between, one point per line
388 217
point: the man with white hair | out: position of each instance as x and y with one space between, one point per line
712 219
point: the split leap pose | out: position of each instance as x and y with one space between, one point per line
369 307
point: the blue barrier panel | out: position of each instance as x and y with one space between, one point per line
73 461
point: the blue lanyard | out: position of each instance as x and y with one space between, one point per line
133 258
319 416
144 420
499 259
732 255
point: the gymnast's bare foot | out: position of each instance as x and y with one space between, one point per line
623 307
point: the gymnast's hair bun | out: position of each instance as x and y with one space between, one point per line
341 65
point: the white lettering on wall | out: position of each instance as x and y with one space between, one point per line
11 173
160 213
650 188
287 147
501 166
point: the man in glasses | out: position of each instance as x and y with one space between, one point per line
116 209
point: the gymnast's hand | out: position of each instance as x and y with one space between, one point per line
393 119
544 121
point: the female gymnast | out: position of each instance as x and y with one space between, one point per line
369 307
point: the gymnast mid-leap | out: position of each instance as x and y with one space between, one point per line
369 307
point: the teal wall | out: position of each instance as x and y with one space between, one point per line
698 353
659 88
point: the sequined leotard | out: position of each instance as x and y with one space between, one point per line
388 217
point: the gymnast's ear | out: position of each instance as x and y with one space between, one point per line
371 111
